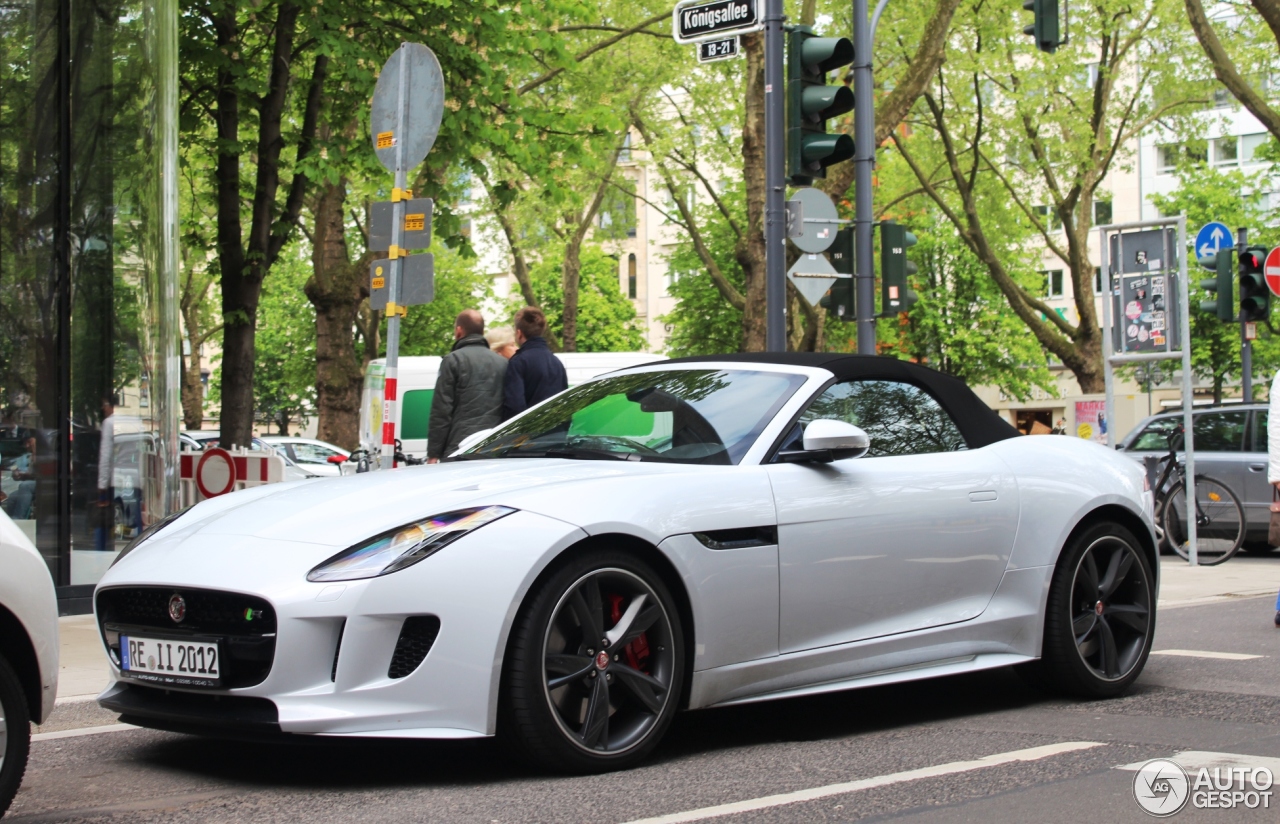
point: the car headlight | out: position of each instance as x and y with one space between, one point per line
405 546
147 533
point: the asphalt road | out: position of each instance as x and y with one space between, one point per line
742 754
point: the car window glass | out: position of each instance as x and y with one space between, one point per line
900 418
1156 436
1220 431
1260 430
310 453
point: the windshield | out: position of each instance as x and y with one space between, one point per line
706 416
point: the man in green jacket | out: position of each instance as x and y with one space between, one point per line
468 396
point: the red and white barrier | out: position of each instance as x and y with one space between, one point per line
217 471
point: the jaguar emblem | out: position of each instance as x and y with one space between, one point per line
177 608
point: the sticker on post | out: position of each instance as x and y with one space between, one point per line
386 140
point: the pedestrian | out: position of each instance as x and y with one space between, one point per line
502 340
468 395
1273 456
534 373
105 515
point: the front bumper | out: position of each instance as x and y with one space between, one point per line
344 653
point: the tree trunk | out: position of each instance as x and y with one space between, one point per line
192 387
336 289
240 311
750 249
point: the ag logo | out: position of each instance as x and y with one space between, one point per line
1161 788
177 608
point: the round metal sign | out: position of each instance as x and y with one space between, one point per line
423 103
1271 271
215 473
817 229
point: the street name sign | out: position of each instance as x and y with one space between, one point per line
1271 271
695 20
710 51
1212 237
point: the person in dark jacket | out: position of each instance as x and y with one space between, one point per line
533 373
468 396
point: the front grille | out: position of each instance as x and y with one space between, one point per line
244 625
416 637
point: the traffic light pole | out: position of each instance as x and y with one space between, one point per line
1246 345
775 235
864 131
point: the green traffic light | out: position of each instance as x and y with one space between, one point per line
1222 286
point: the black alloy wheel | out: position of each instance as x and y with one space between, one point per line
1101 614
15 734
595 668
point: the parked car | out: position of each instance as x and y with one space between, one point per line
693 533
28 652
310 454
1231 445
209 438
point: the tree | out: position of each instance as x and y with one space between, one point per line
1249 61
1062 128
1206 194
607 317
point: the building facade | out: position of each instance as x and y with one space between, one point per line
89 359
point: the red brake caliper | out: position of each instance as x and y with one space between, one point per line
637 652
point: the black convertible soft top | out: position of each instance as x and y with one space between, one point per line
979 424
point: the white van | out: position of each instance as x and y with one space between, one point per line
417 385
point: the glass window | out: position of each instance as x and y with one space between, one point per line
1053 282
1101 212
1226 151
312 453
1220 431
1097 280
1249 146
682 416
1260 430
1155 438
1167 158
901 418
631 276
415 409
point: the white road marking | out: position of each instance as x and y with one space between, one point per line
1195 759
51 736
1199 653
750 805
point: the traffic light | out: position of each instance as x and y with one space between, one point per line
1221 286
1046 29
838 301
1255 297
895 292
811 103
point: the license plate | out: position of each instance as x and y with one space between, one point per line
170 661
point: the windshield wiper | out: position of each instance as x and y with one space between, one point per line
573 453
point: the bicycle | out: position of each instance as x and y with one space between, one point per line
1220 522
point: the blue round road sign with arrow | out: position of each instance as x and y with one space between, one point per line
1212 237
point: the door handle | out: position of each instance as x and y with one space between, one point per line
1257 467
982 495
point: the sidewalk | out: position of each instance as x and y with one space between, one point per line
85 674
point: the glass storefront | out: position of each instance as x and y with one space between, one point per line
89 363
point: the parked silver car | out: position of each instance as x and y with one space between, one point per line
1231 445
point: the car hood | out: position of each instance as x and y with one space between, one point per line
339 512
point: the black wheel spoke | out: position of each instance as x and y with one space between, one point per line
570 668
1117 571
590 617
1107 641
640 625
1132 616
1083 625
647 689
1088 578
595 726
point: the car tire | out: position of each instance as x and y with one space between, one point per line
15 734
573 703
1100 619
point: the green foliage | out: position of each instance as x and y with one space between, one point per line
962 325
606 318
428 329
1208 194
703 322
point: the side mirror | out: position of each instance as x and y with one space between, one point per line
473 439
829 440
336 459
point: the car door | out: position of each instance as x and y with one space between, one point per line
913 535
1257 491
1219 444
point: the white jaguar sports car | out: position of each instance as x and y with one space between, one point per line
694 533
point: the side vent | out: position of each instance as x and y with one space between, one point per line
416 637
337 648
